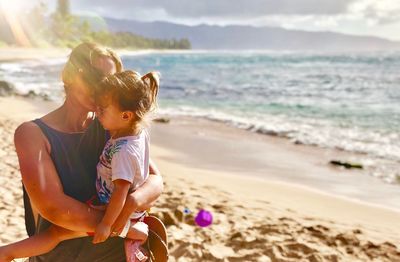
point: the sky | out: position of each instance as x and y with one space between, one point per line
360 17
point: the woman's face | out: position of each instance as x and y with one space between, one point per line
82 93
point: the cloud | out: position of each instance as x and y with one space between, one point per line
327 12
377 12
377 17
219 8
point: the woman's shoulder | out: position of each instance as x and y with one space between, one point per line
28 132
31 127
28 127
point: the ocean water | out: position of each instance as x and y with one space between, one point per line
346 101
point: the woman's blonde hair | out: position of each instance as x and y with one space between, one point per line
131 92
81 63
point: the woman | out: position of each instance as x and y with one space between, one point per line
58 154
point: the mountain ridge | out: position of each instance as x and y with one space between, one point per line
238 37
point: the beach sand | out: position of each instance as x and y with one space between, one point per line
260 212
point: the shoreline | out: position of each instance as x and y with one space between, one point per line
372 150
311 156
17 54
294 164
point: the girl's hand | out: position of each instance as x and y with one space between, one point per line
103 231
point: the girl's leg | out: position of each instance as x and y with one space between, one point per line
138 231
38 244
136 236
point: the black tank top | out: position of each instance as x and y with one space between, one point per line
75 156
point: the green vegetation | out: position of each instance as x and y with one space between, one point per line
62 29
126 40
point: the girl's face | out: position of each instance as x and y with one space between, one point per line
111 117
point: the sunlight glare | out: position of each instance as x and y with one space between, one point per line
10 10
12 7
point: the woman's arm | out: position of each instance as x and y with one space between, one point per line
43 185
143 198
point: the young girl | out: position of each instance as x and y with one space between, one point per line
123 101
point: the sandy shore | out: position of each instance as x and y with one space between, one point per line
15 53
261 210
261 206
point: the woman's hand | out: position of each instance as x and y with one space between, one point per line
103 231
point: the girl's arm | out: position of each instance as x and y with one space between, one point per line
43 185
114 207
143 198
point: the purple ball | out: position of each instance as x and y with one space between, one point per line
203 218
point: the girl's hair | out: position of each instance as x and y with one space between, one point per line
81 62
131 92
